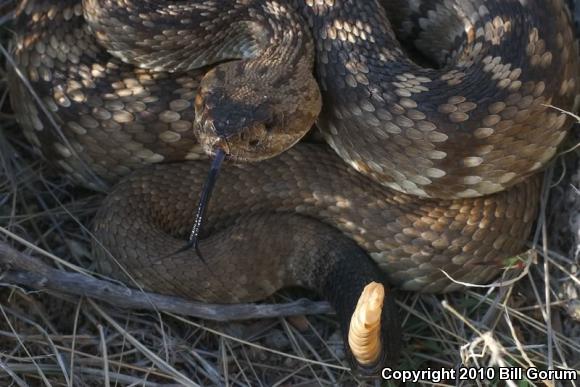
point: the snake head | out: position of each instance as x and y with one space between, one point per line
252 119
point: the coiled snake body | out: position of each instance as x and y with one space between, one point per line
437 143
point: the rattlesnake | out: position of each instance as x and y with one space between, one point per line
448 148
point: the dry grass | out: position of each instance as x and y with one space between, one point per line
55 339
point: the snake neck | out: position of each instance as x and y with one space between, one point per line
257 31
259 99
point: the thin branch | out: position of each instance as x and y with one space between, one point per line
21 269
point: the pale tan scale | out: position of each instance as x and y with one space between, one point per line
123 116
404 122
62 149
413 134
170 136
514 86
456 99
471 180
510 112
169 116
436 155
436 137
408 103
77 128
472 161
426 126
458 117
496 107
466 106
416 115
447 108
403 93
483 150
101 114
435 172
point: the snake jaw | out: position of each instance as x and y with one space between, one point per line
364 335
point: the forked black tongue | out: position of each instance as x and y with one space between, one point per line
204 204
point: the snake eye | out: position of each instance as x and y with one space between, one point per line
254 142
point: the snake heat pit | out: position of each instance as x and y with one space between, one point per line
435 146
